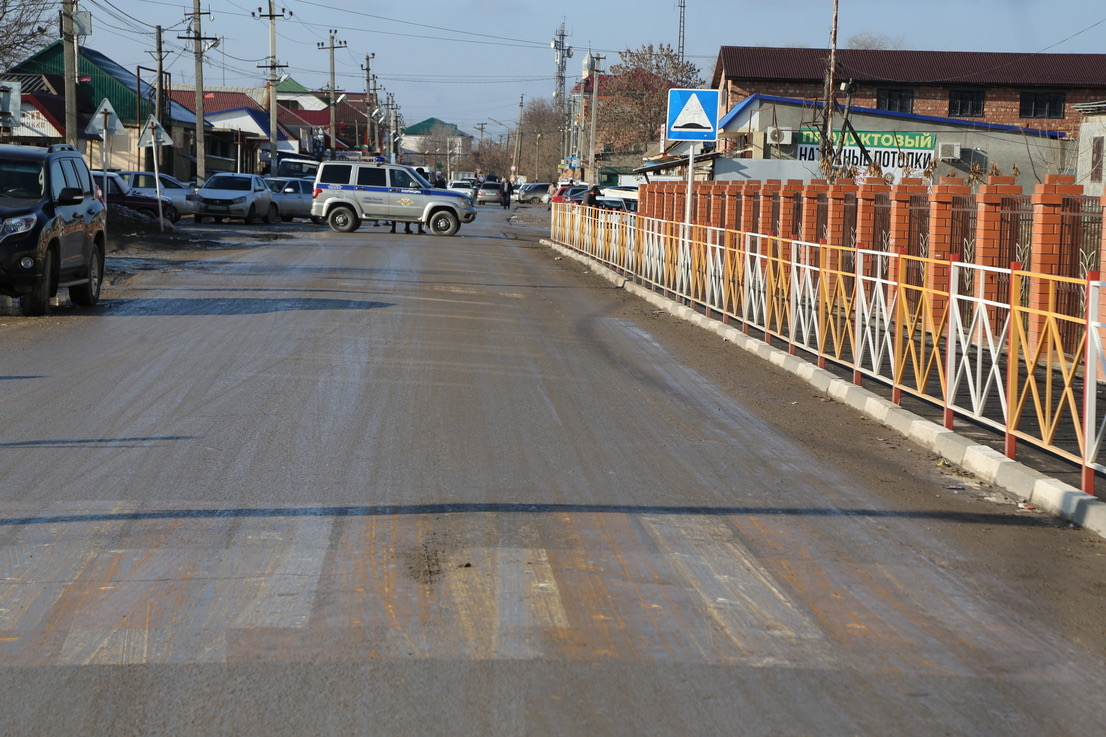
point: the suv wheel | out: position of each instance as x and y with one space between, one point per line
37 301
444 222
87 293
343 220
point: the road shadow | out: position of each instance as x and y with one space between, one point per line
185 307
1004 520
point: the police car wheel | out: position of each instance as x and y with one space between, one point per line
444 222
342 220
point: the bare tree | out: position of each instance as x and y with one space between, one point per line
634 97
542 121
871 40
25 23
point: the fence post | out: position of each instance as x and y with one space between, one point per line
950 339
1013 358
1090 385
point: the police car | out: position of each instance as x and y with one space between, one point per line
348 193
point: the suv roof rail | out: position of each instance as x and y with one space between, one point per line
61 147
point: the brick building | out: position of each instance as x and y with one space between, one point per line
1030 90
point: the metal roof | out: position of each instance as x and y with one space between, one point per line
947 68
107 80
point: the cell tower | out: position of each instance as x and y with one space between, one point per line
682 5
563 54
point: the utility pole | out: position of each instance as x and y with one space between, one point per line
593 72
368 100
680 49
516 164
69 49
197 38
272 66
393 141
830 99
480 127
333 92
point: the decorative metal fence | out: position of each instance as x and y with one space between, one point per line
954 334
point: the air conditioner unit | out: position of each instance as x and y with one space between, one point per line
777 136
948 151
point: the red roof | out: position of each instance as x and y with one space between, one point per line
216 102
914 67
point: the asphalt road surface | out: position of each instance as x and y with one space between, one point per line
324 484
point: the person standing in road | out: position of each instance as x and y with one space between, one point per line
505 194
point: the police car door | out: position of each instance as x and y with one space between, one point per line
406 195
372 192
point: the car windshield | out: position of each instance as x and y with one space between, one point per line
277 185
220 181
20 179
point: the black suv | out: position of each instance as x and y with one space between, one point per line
51 227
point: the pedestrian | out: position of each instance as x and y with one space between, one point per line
592 197
407 228
505 194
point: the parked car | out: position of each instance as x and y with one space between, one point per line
182 196
461 185
488 192
531 192
293 198
616 203
51 227
296 169
348 193
244 196
568 190
116 191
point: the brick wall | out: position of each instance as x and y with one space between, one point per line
1002 105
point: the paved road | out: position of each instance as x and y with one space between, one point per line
376 484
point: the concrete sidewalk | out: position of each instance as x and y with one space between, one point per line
1031 486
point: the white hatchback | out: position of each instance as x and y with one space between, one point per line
183 197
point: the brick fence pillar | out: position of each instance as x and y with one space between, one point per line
940 215
767 223
814 191
900 213
1044 258
750 206
645 196
732 217
718 205
790 224
866 195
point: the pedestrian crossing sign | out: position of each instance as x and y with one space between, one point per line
692 115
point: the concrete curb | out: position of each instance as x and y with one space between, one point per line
1033 487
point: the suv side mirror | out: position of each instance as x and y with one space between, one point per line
70 196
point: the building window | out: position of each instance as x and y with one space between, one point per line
1042 104
1096 159
896 101
966 103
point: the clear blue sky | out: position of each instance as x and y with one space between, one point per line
466 61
